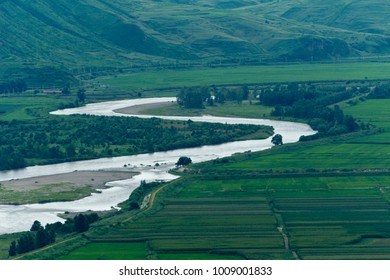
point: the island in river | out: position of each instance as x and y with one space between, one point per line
20 217
60 187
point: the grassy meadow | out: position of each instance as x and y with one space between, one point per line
27 107
247 75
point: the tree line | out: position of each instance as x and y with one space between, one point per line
16 86
198 97
136 197
380 92
40 236
313 104
59 139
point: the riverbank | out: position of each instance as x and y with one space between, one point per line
60 187
140 109
145 163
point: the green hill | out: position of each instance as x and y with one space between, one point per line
124 33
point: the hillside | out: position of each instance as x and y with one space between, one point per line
123 33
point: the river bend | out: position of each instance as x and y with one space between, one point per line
20 218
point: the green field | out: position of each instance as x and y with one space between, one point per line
108 251
322 199
228 109
248 75
27 107
325 199
46 193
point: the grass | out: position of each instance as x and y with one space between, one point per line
247 75
228 109
108 251
45 193
27 107
327 196
338 214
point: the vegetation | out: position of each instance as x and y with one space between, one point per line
183 161
136 197
327 198
313 103
36 238
179 78
277 140
40 236
323 199
84 137
170 34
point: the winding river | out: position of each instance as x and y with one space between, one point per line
20 218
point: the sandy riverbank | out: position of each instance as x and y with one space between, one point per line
138 109
60 187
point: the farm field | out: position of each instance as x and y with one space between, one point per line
108 251
353 151
324 63
320 201
27 107
246 75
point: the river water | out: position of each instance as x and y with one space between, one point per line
20 218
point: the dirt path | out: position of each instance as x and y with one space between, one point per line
45 248
285 238
150 204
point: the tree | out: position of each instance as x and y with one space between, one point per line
36 226
12 249
70 150
81 223
81 95
42 237
26 243
66 90
193 97
277 140
183 161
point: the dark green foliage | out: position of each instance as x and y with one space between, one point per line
197 97
36 226
84 137
193 97
380 92
18 78
91 218
66 90
42 238
182 161
12 249
81 95
26 243
39 237
11 159
312 103
13 86
136 196
277 140
81 223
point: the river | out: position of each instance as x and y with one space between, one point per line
20 218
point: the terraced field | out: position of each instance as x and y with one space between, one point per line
217 224
324 199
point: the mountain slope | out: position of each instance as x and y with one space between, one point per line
114 33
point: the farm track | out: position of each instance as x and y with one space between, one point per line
45 248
